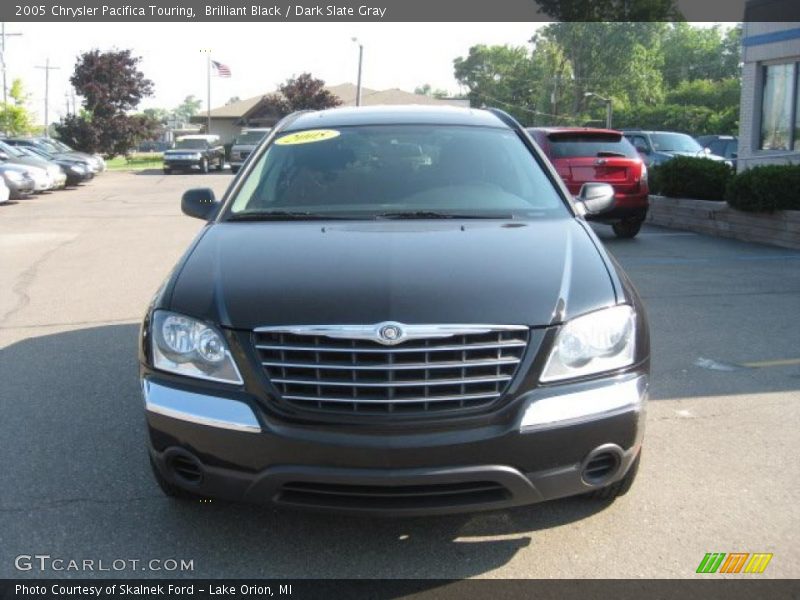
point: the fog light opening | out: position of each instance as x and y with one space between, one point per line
185 467
602 465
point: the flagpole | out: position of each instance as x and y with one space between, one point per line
208 107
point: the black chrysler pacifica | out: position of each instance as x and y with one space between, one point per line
396 310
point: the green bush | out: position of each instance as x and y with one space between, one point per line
689 177
765 189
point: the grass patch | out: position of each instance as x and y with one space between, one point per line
135 162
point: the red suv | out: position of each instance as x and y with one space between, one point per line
581 155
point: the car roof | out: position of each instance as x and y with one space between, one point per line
597 130
395 115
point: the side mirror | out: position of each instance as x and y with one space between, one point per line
200 203
642 149
596 198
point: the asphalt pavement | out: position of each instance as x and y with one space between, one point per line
719 471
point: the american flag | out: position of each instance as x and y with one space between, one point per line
220 69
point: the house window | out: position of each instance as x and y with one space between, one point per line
778 114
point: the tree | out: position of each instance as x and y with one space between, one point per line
305 92
501 76
232 100
111 85
610 10
188 108
426 90
15 119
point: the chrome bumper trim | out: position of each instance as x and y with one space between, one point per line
593 404
212 411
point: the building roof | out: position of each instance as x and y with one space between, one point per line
346 92
396 115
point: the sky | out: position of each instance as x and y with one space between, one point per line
261 55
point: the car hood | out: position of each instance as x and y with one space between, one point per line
182 151
249 274
674 153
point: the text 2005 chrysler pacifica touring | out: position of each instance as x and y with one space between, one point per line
396 311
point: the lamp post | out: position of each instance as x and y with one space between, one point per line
360 59
609 108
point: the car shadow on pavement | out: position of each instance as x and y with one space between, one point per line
79 484
161 172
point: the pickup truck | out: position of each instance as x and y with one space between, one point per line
195 152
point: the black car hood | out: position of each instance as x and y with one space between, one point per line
249 274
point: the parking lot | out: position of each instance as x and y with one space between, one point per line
77 269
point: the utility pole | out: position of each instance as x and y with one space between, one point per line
360 60
208 89
3 36
47 68
66 101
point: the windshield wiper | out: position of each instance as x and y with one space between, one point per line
284 215
431 214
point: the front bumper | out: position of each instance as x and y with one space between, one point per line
236 451
183 164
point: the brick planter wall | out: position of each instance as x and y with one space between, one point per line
781 228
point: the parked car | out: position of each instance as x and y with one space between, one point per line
657 147
77 170
53 147
5 193
726 146
56 175
195 152
18 180
581 155
354 331
245 143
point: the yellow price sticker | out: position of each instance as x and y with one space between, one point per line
307 137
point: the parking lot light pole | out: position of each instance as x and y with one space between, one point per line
609 108
360 60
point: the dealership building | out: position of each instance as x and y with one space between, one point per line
769 124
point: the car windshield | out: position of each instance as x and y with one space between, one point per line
251 137
675 142
190 144
571 145
399 171
11 150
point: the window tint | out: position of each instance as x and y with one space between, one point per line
574 145
368 170
675 142
251 137
191 144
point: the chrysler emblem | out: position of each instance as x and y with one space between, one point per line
389 334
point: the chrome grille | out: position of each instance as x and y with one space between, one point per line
446 373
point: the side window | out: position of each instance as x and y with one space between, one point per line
717 147
639 142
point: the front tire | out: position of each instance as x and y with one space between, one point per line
618 488
167 171
627 229
234 170
221 164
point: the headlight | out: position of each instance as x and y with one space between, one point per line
600 341
77 169
197 156
53 170
190 347
14 176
